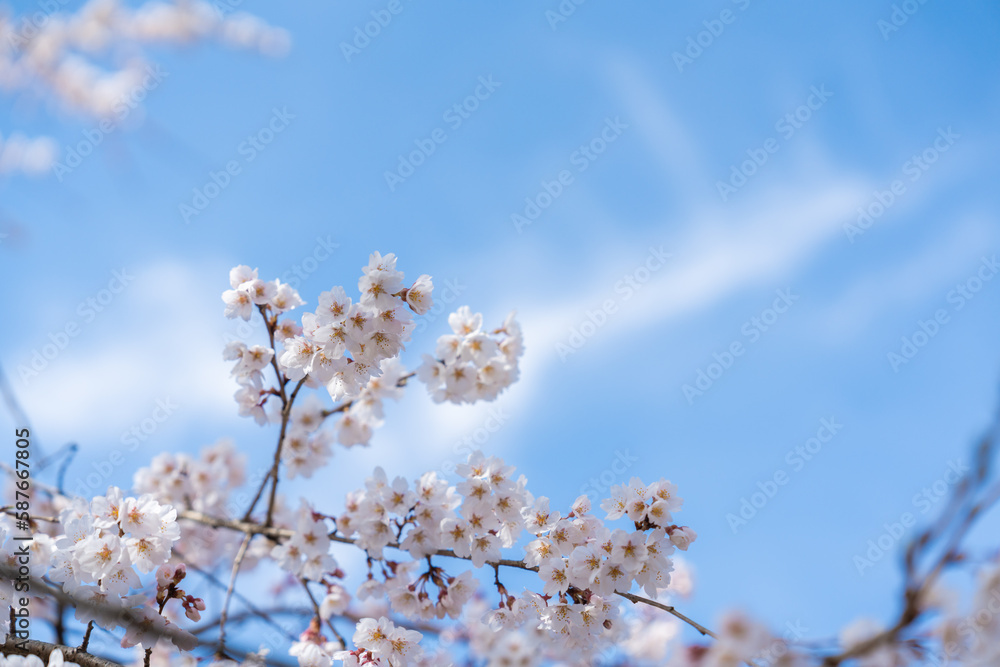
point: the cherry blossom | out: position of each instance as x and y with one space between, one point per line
472 364
64 56
521 578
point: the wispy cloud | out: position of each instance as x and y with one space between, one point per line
162 337
948 255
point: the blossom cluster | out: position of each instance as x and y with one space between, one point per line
352 349
406 588
98 557
274 298
582 563
471 364
374 514
105 543
572 613
489 518
307 554
42 548
365 413
341 345
371 330
204 484
64 56
376 642
647 638
380 642
582 553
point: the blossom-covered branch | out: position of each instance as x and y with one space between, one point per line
121 559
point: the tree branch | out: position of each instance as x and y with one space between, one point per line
279 534
229 591
14 646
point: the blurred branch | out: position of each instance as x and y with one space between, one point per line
972 497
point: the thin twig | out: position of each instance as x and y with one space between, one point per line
229 591
86 636
346 405
281 381
253 609
279 534
235 619
315 604
286 414
670 610
59 625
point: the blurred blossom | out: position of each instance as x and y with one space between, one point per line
89 62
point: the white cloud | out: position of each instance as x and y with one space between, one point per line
671 143
948 256
161 338
775 236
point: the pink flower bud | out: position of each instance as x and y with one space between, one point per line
683 537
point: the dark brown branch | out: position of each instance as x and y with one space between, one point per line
14 646
86 636
286 413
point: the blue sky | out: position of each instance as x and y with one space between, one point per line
887 96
